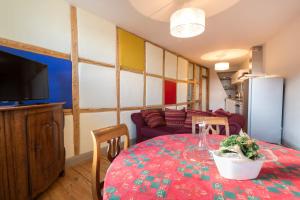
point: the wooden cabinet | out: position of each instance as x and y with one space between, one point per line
32 151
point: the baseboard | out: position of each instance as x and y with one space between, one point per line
76 160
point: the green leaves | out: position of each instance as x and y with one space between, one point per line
247 145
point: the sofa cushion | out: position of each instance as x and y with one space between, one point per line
190 113
175 118
153 132
146 112
153 118
183 130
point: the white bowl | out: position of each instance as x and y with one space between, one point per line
236 168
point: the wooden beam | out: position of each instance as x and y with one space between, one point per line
207 90
102 64
145 79
183 103
176 78
182 81
194 86
154 106
75 81
154 75
33 48
68 112
118 77
131 70
132 108
200 88
171 79
92 110
163 77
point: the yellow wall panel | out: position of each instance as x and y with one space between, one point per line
131 51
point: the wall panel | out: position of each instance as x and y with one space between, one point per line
182 73
182 107
170 65
204 93
154 59
171 107
126 118
42 23
59 76
191 71
131 89
181 92
197 92
154 91
131 51
97 86
197 73
96 38
91 121
68 136
170 92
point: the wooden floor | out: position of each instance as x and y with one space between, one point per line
76 184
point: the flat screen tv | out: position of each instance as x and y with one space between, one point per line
22 79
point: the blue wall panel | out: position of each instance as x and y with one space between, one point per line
59 77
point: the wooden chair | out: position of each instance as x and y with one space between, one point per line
210 122
111 136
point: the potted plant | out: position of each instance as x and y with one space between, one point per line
238 158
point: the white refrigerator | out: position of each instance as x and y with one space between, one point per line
263 108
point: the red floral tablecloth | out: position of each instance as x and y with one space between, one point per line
160 169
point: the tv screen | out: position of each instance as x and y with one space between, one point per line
22 79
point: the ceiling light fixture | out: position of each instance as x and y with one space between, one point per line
221 66
187 22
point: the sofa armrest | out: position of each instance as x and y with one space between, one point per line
234 129
237 118
139 123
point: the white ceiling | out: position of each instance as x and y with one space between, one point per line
245 24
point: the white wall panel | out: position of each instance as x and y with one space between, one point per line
131 89
96 38
170 65
197 106
191 71
97 86
91 121
154 59
183 65
182 107
125 117
171 107
42 23
153 91
181 92
197 73
68 136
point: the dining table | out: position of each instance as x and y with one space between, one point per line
171 167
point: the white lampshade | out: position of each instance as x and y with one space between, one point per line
221 66
187 22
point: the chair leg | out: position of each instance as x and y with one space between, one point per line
101 188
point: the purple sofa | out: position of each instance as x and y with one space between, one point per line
143 132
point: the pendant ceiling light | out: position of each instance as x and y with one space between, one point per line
187 22
221 66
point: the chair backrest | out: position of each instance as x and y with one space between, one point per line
211 122
111 136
